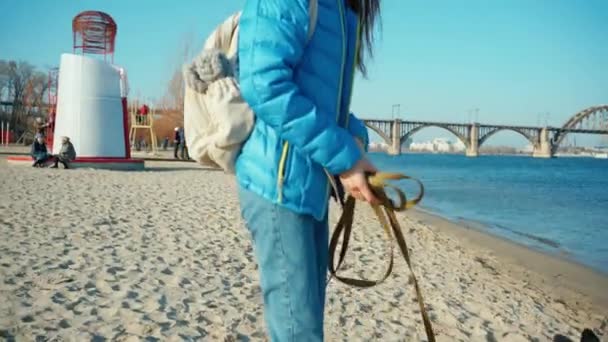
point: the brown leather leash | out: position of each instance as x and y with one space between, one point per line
385 211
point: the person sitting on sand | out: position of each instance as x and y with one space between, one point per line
39 152
66 154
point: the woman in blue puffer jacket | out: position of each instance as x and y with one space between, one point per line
300 92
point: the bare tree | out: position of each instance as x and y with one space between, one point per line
4 89
24 88
34 97
3 80
174 95
176 91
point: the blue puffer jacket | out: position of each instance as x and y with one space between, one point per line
300 93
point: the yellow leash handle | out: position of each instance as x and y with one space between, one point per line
378 183
385 211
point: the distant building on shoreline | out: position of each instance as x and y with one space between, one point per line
378 147
445 145
437 145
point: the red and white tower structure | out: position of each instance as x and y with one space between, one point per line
92 97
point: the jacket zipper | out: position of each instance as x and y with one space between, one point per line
281 177
331 182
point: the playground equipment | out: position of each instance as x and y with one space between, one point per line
142 117
91 97
5 133
53 80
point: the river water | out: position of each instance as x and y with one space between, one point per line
559 205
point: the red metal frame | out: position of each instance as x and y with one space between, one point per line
53 86
94 32
125 125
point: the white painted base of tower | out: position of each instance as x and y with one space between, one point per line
91 109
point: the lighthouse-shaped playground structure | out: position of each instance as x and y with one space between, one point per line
92 97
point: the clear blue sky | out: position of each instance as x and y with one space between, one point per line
511 59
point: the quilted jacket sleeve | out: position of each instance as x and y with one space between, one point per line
273 35
358 129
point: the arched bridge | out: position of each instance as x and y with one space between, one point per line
545 140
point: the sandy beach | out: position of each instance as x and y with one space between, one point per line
162 255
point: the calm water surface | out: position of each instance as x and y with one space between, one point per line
557 205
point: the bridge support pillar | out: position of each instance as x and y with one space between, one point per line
473 146
395 149
544 148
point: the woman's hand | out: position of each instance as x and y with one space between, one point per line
355 181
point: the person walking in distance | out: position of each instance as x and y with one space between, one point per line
182 144
165 143
176 142
300 92
40 127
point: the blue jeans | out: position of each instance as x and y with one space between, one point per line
291 251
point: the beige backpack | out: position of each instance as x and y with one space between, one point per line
217 120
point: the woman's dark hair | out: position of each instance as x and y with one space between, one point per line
369 14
